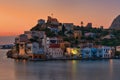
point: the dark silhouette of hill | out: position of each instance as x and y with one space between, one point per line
116 23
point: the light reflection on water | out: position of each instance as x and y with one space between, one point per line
111 68
58 70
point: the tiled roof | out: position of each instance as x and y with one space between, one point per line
54 46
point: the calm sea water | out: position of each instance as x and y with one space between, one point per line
7 40
58 70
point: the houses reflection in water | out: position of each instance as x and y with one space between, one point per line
59 70
65 70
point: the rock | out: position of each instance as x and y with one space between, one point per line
116 23
9 54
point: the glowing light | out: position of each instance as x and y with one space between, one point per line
75 51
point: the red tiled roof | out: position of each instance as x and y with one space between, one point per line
54 46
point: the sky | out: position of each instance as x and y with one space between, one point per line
17 16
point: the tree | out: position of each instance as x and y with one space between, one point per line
63 30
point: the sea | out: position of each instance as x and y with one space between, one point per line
7 40
56 70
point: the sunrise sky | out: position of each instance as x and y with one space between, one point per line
17 16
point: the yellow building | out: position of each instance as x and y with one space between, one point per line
22 48
73 52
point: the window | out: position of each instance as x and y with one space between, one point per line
21 45
29 48
40 57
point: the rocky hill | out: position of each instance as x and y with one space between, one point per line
116 23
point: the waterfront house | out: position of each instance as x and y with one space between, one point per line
52 46
101 52
73 52
30 44
105 52
32 47
54 51
22 46
86 52
94 53
34 51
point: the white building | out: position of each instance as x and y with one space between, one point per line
52 47
33 48
101 52
53 40
34 51
55 52
105 52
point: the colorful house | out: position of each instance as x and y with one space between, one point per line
101 52
105 52
73 52
34 51
54 51
86 52
22 46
